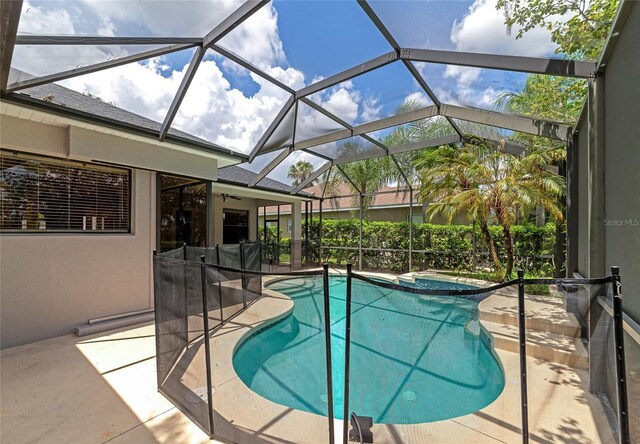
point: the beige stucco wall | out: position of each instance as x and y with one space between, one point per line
49 283
245 203
375 214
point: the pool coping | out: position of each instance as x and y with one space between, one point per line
246 416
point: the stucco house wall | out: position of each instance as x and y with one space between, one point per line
52 282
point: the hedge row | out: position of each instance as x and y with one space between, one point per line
443 246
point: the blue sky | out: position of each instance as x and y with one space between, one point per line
296 41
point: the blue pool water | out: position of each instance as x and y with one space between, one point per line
414 359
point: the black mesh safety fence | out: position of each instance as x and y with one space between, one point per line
290 255
603 365
535 356
565 402
230 256
251 262
197 304
176 253
280 365
541 359
180 337
195 253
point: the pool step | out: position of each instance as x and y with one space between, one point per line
544 313
553 347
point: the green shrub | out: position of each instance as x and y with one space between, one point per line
444 247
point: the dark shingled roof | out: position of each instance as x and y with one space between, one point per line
237 175
52 94
59 97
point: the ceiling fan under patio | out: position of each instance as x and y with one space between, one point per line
229 196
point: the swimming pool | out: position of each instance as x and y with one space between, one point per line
414 359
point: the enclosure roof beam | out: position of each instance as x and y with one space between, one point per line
400 119
544 128
102 40
357 157
313 176
9 19
346 176
63 75
430 143
375 142
246 10
182 91
254 69
511 147
226 26
327 113
532 65
364 4
348 74
413 146
258 149
324 188
320 155
400 170
268 168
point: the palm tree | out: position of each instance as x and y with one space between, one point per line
451 178
482 180
365 177
533 99
299 172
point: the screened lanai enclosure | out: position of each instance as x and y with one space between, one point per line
266 339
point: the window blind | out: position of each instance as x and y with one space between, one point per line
40 194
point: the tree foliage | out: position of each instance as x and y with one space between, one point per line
578 27
299 172
484 182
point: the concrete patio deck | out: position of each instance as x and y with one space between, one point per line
103 389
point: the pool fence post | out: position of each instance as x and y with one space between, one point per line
219 283
410 227
157 317
207 345
360 233
474 247
320 231
618 340
243 279
347 355
523 358
327 336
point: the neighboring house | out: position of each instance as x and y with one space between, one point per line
88 192
391 204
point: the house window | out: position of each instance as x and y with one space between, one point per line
417 218
39 194
289 225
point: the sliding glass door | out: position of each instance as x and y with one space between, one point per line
183 212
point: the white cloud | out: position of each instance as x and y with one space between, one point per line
188 18
40 20
418 97
483 30
257 39
466 76
342 100
370 109
212 108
